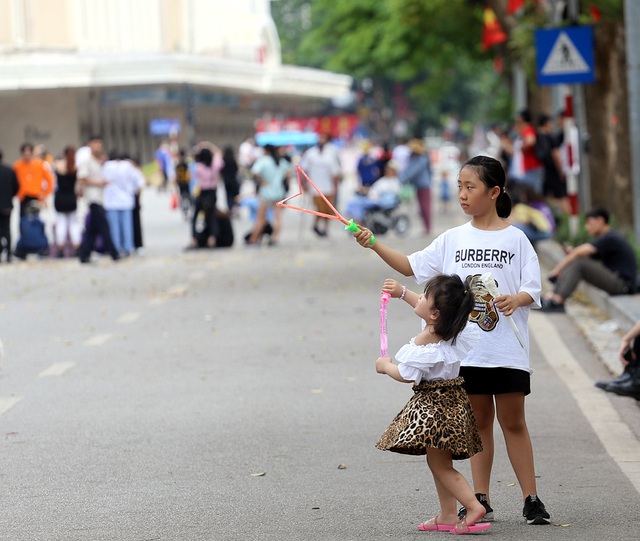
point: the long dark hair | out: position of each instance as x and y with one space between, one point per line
272 150
205 157
69 154
491 173
454 300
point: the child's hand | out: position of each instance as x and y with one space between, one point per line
507 304
382 363
392 287
363 237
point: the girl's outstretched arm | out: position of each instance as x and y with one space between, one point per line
384 365
391 257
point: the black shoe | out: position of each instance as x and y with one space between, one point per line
621 379
549 305
630 387
534 511
482 498
319 232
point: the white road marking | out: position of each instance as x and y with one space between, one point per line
97 340
129 317
7 402
56 369
615 435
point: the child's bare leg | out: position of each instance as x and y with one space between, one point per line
448 511
277 222
511 416
452 487
481 463
261 221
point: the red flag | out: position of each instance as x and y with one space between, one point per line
514 5
492 33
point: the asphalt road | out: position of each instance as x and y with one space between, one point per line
231 395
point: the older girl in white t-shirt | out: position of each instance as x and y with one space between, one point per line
496 372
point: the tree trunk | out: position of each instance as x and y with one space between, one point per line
609 156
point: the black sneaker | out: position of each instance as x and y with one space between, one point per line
534 511
549 305
482 498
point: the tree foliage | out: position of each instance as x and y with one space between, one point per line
431 47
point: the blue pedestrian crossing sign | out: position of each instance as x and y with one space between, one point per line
565 55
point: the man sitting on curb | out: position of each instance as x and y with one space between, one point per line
607 262
627 383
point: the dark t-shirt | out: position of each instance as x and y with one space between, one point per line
617 255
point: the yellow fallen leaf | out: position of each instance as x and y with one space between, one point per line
511 485
259 474
317 391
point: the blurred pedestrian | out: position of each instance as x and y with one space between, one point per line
400 154
119 200
627 383
164 163
65 201
532 170
418 174
231 176
445 191
141 182
183 180
531 214
8 190
209 162
554 183
271 172
368 168
35 178
322 165
92 185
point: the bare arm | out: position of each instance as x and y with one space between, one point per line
384 365
626 341
396 260
584 250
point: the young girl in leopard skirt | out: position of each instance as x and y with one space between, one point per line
438 420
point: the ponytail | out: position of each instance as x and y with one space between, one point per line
504 204
454 300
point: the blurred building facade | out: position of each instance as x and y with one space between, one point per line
200 69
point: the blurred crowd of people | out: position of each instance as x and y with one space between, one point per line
109 186
210 184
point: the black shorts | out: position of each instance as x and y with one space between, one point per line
495 380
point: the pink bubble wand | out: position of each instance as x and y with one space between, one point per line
349 225
384 344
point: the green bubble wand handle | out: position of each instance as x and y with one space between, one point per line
348 225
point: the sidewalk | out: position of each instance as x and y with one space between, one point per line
602 318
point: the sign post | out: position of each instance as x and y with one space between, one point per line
566 56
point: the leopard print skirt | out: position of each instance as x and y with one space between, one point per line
438 415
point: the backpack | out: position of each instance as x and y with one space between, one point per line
542 148
183 176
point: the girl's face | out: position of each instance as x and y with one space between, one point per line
426 309
474 196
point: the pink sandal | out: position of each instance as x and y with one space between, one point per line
462 528
432 525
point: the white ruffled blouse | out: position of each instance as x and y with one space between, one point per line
436 361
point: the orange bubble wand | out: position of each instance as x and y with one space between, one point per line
349 225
